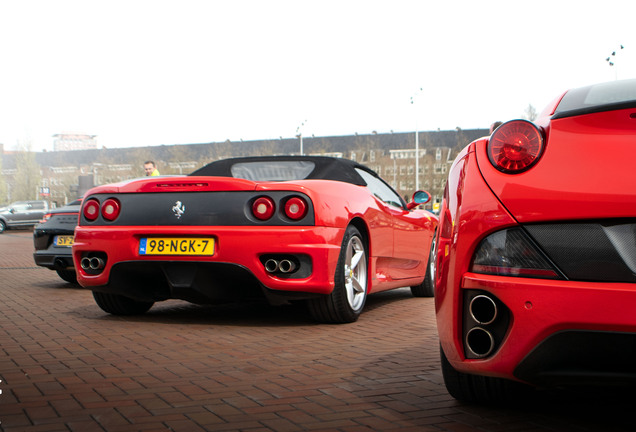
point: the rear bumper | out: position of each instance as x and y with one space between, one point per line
558 331
238 251
54 260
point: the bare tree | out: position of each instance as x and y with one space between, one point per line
530 113
3 185
27 176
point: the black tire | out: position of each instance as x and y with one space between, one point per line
427 287
3 226
68 275
349 295
119 305
480 389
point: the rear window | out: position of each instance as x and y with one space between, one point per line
600 97
273 171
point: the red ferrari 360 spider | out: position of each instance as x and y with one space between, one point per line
536 266
325 231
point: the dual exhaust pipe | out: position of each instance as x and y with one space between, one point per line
283 266
92 264
479 341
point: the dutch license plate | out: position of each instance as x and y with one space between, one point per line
176 246
63 240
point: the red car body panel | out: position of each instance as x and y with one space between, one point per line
579 176
335 204
578 179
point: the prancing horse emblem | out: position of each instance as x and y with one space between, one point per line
178 208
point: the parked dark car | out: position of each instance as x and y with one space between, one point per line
22 214
53 239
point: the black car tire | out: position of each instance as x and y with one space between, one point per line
346 301
68 275
427 287
478 388
3 226
119 305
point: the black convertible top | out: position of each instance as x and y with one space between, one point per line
305 167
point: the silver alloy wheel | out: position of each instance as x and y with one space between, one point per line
355 270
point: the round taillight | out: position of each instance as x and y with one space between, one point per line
295 208
263 208
91 210
110 209
515 146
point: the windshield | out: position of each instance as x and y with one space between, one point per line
272 171
600 97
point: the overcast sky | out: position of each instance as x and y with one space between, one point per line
139 73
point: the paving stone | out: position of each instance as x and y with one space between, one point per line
65 365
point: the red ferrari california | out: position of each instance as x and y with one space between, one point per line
536 253
324 231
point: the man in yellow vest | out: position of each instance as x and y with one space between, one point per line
151 168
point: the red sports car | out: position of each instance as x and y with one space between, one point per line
536 253
325 231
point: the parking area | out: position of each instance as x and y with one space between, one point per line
67 366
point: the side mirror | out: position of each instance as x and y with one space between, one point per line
11 210
419 197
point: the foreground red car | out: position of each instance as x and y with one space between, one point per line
320 230
536 266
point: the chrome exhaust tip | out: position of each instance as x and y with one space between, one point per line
271 266
85 263
483 309
286 266
96 263
480 342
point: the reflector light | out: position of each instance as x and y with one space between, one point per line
295 208
447 225
91 210
263 208
111 209
511 252
515 146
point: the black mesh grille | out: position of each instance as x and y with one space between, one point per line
601 251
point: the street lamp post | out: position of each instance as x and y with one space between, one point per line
611 60
417 144
299 134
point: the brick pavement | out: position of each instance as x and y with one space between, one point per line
67 366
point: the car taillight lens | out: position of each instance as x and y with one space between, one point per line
263 208
295 208
511 252
111 209
91 210
46 217
515 146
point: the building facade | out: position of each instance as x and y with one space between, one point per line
74 141
67 174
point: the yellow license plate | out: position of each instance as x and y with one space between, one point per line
63 240
176 246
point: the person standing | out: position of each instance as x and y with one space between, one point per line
150 168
